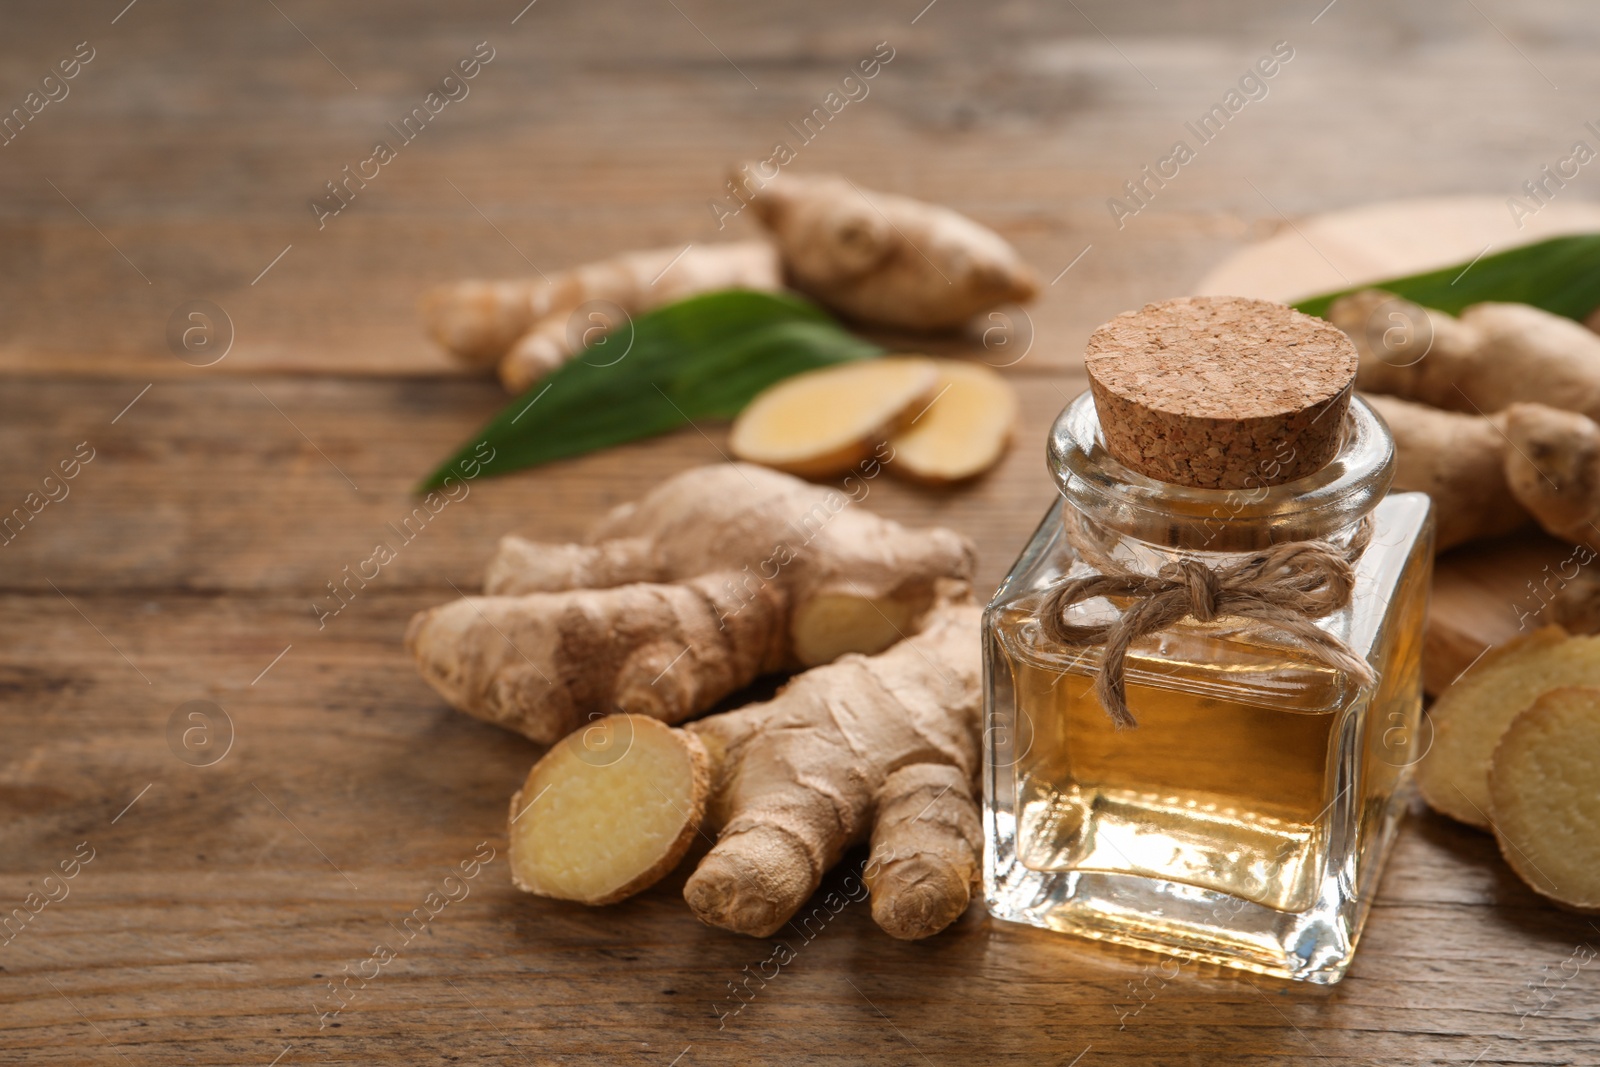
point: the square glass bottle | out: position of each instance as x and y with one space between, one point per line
1245 818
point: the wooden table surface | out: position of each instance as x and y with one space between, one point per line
220 500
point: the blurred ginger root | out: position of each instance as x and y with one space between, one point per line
526 328
882 259
1492 356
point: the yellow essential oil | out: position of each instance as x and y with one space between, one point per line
1244 819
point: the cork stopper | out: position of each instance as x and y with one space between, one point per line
1221 392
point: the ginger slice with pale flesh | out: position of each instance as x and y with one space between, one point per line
1472 714
1545 782
824 422
963 432
609 810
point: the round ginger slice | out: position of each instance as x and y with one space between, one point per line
609 810
824 422
1472 713
963 432
1545 781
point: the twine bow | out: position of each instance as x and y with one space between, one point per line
1287 586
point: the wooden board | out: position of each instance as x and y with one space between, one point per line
1483 594
184 563
1390 239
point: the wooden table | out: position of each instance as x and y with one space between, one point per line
184 562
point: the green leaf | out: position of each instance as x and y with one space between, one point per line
1560 275
704 357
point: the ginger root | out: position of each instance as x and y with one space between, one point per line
824 422
883 745
1493 356
1459 461
887 260
1553 467
801 778
1575 606
718 575
1486 474
927 838
525 326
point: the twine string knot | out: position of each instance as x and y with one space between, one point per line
1286 586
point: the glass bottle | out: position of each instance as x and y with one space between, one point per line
1244 820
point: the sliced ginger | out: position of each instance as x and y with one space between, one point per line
1472 714
824 422
945 420
963 432
609 810
1543 779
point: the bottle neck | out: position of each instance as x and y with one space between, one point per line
1154 522
1107 551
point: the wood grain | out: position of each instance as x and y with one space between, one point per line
184 563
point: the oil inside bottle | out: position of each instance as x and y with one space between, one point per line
1243 746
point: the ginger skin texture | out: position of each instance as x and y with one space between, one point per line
1488 474
1493 356
840 754
882 747
526 327
1553 466
1509 431
718 575
1459 461
887 260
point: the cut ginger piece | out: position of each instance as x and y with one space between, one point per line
963 432
609 810
824 422
1472 713
1546 805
